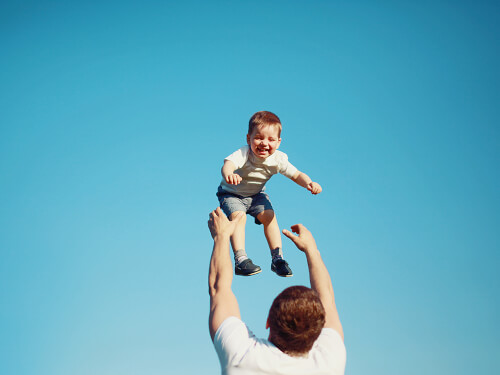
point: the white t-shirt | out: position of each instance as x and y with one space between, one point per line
256 172
241 353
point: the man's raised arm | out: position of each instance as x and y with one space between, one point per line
318 274
223 303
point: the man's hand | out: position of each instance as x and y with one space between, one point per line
219 223
304 241
314 188
233 179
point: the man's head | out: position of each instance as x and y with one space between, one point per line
295 320
264 132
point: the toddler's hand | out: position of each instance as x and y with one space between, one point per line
314 188
233 179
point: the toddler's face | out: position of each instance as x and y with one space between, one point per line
264 141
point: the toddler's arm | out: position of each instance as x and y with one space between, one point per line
228 173
305 181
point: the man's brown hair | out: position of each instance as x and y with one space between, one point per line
264 118
295 320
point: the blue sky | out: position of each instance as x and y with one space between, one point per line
115 118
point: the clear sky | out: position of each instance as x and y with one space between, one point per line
115 118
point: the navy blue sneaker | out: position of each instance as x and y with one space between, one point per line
281 268
246 268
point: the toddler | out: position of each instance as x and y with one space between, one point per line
245 173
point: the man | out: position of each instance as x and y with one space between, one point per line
305 334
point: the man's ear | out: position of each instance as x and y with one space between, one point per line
248 139
267 323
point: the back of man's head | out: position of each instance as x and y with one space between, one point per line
295 320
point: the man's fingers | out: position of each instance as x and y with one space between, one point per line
219 212
297 228
289 234
299 242
216 213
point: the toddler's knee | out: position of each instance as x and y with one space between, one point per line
233 215
265 217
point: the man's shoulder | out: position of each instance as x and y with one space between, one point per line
232 340
330 344
231 322
232 328
331 334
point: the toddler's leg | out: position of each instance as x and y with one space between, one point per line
242 264
271 228
273 236
238 236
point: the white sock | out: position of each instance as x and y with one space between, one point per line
240 256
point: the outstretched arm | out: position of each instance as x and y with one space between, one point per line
318 274
305 181
223 303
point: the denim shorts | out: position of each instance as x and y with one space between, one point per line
252 205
